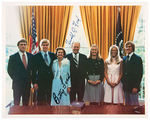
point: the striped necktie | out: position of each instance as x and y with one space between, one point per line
75 60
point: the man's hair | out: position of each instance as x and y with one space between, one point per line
75 42
44 41
21 40
132 45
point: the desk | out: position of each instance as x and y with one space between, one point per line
110 109
92 109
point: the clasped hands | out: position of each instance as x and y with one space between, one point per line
94 82
113 84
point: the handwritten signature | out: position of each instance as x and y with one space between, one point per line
72 34
58 97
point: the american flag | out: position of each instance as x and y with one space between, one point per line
119 34
33 36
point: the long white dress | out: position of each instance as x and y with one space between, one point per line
115 94
61 82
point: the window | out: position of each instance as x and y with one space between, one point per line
139 40
76 33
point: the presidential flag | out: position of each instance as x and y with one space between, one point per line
33 47
119 35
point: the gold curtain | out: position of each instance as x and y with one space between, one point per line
52 23
129 18
99 23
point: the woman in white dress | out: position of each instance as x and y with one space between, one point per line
113 74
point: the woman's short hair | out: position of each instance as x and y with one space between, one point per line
44 41
130 43
61 48
21 40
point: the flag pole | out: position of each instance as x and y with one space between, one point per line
119 33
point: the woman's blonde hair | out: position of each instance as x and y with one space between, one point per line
117 58
98 54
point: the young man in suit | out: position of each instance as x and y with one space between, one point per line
42 73
20 73
132 74
77 71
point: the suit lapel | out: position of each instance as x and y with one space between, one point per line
42 59
28 57
50 57
79 59
72 59
71 56
19 60
132 58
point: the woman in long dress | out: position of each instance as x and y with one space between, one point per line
61 82
94 91
113 74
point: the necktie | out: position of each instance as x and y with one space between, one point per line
75 60
45 58
127 59
24 60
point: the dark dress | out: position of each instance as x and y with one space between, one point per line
95 71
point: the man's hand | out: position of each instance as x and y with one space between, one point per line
35 86
98 81
68 89
134 90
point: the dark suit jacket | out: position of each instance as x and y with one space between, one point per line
42 74
78 74
132 73
17 71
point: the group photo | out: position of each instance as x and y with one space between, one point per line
74 59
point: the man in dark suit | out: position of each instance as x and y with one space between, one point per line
42 73
132 74
77 71
20 72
